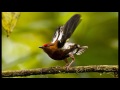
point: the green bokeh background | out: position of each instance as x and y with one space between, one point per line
98 30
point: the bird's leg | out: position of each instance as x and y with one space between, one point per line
66 61
73 59
69 64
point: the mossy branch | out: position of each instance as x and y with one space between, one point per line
56 70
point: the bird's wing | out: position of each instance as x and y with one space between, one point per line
64 32
57 35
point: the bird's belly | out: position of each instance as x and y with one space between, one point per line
58 55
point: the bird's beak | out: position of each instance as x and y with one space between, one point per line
41 47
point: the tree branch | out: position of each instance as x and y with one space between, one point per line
55 70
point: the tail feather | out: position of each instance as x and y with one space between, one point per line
81 50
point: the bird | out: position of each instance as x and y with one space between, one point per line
60 48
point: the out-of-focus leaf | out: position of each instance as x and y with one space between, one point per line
9 20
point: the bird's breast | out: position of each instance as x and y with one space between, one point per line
56 53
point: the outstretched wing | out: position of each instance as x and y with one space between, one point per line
64 32
58 34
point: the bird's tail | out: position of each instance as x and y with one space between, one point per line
80 50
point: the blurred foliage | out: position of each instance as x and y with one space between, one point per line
9 20
98 30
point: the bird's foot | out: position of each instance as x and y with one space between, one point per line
67 66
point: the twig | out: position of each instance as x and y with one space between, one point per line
55 70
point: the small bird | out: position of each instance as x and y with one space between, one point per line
59 48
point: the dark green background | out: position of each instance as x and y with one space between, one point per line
98 30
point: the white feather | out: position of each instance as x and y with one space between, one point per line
67 45
55 37
60 33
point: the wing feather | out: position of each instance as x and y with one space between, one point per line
64 32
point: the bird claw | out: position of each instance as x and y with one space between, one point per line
67 66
